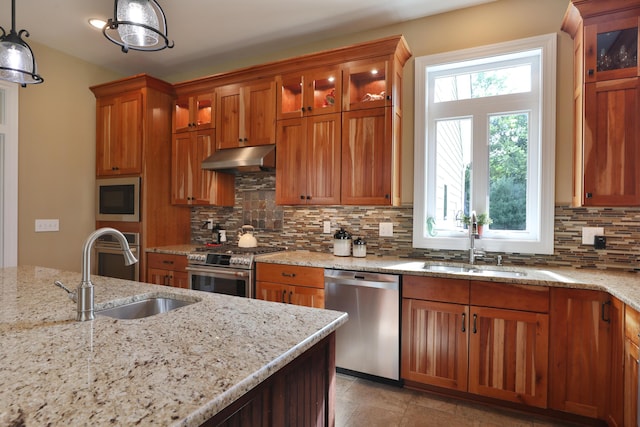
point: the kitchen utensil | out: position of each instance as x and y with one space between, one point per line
246 237
342 243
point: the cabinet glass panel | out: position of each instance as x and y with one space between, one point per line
291 95
368 85
324 92
203 111
182 113
617 49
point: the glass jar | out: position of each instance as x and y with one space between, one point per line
342 243
359 248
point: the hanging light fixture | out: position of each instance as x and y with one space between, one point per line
17 63
138 25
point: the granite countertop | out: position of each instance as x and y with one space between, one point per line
176 368
623 285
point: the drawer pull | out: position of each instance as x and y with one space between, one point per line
475 319
288 274
167 262
608 318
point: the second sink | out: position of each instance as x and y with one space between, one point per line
144 308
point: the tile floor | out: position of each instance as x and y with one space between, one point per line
362 403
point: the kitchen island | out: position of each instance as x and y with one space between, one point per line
186 367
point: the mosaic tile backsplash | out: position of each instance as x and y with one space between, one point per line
300 227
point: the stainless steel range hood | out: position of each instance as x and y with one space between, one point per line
243 159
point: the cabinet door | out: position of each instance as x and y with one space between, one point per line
323 159
366 85
580 352
612 143
367 157
119 135
182 169
274 292
203 186
158 276
228 117
291 162
434 343
258 118
508 355
306 296
180 279
632 359
322 91
193 112
611 49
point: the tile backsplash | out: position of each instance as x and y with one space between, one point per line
301 227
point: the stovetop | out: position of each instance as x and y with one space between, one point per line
228 255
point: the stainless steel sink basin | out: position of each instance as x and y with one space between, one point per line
144 308
479 271
448 268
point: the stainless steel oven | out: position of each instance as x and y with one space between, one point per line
225 269
110 261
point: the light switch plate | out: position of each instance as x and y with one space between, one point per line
589 234
45 225
386 229
326 227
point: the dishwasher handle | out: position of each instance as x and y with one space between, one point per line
363 279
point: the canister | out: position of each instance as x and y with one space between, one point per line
359 248
342 243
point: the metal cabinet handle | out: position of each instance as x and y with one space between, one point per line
285 274
605 319
166 261
464 321
283 294
290 295
475 319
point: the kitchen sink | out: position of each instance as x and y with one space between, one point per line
479 271
144 308
448 268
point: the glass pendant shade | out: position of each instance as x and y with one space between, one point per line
17 64
138 25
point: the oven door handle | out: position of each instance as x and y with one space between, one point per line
222 273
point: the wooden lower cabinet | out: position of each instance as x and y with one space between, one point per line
300 394
631 362
580 351
499 352
168 270
290 284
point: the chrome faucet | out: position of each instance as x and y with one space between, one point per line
85 289
473 235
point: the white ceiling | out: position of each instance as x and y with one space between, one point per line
210 31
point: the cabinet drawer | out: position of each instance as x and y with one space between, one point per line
167 261
510 296
632 324
290 274
435 289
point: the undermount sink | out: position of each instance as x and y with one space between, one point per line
144 308
473 270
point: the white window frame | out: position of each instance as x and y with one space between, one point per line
9 176
544 163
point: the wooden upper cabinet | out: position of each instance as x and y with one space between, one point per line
245 114
308 93
119 134
606 101
192 185
308 160
194 112
367 84
370 159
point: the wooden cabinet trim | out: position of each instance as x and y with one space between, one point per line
435 289
290 274
632 325
510 296
167 261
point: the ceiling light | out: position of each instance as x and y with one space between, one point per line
137 25
17 63
97 23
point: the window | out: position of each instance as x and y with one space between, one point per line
485 142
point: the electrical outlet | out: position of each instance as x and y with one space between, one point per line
386 229
46 225
589 234
326 227
210 224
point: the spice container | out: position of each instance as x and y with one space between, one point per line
342 243
359 248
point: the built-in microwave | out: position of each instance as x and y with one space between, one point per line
118 199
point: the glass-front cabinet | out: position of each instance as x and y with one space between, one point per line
611 49
366 85
193 112
309 93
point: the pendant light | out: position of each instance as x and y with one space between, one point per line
138 25
17 63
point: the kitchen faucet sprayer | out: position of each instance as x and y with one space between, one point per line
85 289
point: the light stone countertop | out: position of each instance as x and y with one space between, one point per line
177 368
623 285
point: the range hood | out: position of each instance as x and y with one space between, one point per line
243 159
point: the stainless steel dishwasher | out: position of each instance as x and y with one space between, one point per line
369 343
